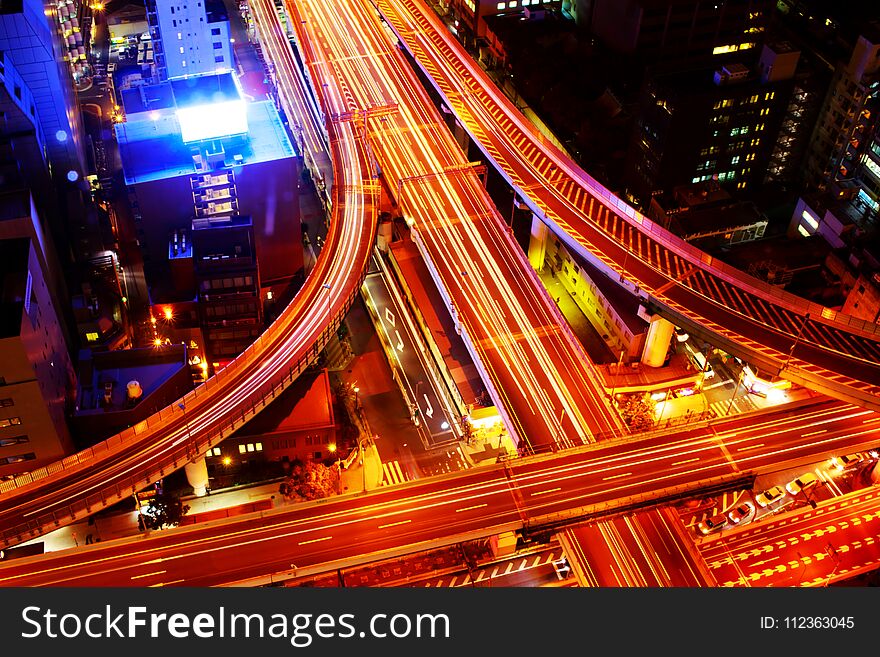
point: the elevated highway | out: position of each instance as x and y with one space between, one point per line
823 349
114 469
536 495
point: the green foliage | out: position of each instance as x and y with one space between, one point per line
163 511
310 481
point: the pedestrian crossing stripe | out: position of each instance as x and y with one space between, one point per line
393 474
740 405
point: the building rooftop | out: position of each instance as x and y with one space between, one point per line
215 10
14 255
306 405
154 149
103 377
147 98
710 219
204 90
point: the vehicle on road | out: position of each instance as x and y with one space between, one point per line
713 524
805 481
769 496
741 513
847 460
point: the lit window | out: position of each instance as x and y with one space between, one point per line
241 449
92 336
811 221
500 5
511 4
250 447
734 159
181 50
259 447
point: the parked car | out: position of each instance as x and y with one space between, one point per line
804 481
769 496
741 512
713 524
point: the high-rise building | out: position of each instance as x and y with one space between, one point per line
189 38
193 148
680 29
740 126
844 154
31 40
36 375
228 283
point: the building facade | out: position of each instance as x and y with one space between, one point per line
228 283
36 374
189 38
680 29
739 126
31 40
844 156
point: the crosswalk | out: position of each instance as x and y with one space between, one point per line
740 405
393 474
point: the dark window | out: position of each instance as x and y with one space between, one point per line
218 59
7 402
218 45
18 92
215 31
18 458
15 440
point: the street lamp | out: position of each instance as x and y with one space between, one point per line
363 460
333 450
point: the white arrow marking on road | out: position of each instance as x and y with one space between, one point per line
430 411
389 316
399 340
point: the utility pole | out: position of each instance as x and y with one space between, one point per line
794 344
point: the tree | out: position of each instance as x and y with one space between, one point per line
163 511
637 412
310 481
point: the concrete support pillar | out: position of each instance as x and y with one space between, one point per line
538 243
197 477
657 341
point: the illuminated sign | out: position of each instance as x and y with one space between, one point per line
212 121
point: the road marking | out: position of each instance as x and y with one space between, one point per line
471 508
316 540
814 433
625 474
394 524
158 572
742 449
544 492
399 340
161 584
688 461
